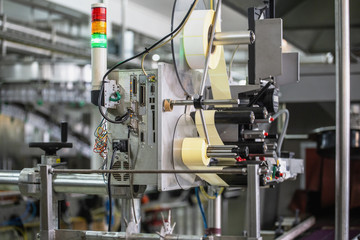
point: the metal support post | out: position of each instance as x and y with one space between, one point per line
218 215
342 47
253 202
3 28
127 213
124 4
214 213
1 7
48 212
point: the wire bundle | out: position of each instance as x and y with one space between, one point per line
143 54
202 189
101 139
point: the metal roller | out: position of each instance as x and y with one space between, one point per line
234 38
254 147
260 112
235 117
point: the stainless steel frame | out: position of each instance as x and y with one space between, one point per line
253 202
342 183
214 213
48 205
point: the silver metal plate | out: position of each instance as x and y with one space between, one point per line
185 127
290 69
268 44
168 88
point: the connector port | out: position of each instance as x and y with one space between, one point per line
142 137
153 119
142 97
134 85
120 145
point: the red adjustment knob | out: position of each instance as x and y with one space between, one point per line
239 159
276 177
268 178
281 174
266 134
262 158
272 119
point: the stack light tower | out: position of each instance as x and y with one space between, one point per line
98 48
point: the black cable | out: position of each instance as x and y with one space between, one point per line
261 92
172 147
125 116
173 51
109 191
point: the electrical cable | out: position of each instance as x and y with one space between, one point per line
126 115
177 31
232 60
132 178
201 207
33 213
261 92
282 135
24 217
109 191
173 51
172 147
20 230
211 197
132 197
101 139
262 10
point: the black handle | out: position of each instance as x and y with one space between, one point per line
64 132
51 148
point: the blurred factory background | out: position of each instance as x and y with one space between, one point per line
45 78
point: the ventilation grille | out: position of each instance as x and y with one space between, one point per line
120 165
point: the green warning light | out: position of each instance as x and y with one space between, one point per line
98 41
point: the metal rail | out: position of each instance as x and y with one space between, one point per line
74 234
253 202
89 171
9 177
206 102
297 230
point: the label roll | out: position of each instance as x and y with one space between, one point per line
193 152
196 37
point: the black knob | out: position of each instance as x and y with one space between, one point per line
64 133
242 151
51 148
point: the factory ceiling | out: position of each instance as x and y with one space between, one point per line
309 24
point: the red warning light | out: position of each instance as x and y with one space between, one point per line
98 14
